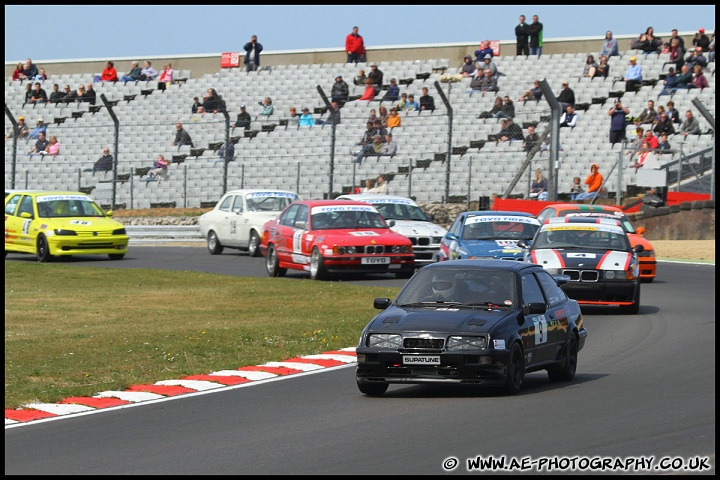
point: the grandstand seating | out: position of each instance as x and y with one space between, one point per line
276 155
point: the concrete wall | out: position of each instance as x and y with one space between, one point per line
687 221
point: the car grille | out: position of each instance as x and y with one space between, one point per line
421 241
582 275
434 343
374 249
95 234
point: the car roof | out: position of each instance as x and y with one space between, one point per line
375 198
37 193
583 207
599 219
488 264
498 212
243 191
323 203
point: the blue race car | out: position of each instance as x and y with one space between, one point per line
488 234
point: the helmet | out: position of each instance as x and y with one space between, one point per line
443 285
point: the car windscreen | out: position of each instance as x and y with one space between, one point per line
346 217
59 206
401 211
269 202
499 228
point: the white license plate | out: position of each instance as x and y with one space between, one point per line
421 360
375 260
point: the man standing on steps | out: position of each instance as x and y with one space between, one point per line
355 47
521 36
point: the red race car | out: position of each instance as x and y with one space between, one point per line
334 236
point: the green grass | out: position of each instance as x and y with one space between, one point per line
74 331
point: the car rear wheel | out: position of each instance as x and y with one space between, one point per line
272 262
515 370
372 389
213 244
633 309
317 266
567 371
43 249
116 256
254 244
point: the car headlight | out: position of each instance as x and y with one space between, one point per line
610 274
119 231
646 253
63 232
553 271
384 340
401 249
466 343
436 240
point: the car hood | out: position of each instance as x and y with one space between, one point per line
417 228
492 247
82 224
444 319
584 259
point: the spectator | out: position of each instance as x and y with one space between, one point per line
103 164
567 96
690 126
28 92
376 77
511 131
41 127
576 188
196 106
243 119
402 103
610 46
393 92
360 78
373 116
495 110
30 71
672 112
648 114
647 42
340 91
381 187
369 92
212 102
333 115
591 67
306 119
674 36
166 77
182 137
18 72
646 156
664 144
603 69
489 82
38 95
109 74
665 48
226 152
42 76
73 95
670 83
569 118
535 93
56 95
368 186
507 110
394 119
637 140
650 139
383 116
294 118
535 30
696 58
355 47
594 182
633 77
521 37
379 129
660 111
468 67
389 148
427 102
53 147
677 54
488 64
252 54
411 104
267 110
684 78
699 80
374 148
531 139
40 145
158 172
21 128
133 75
539 186
148 72
89 95
664 125
711 48
483 51
618 122
701 40
367 137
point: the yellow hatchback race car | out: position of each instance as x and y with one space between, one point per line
49 224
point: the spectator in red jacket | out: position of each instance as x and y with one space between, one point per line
109 74
355 47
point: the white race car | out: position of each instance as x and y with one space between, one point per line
238 218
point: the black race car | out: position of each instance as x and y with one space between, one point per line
472 322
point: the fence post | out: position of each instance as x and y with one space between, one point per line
185 184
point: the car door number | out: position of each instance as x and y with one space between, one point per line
541 330
26 227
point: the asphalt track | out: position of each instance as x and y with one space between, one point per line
645 388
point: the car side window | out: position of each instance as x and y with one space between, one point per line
26 206
11 205
531 291
457 226
238 204
226 203
288 217
301 218
553 292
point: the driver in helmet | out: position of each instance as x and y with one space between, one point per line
443 287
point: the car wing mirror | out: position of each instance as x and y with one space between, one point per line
534 308
561 279
639 248
391 223
26 215
301 225
522 243
451 236
381 303
640 230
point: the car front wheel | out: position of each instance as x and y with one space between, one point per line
213 244
43 249
317 266
254 244
567 371
272 263
515 370
372 389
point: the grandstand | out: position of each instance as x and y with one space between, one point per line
318 161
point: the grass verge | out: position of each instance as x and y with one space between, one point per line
73 331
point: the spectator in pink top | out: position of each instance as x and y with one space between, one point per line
166 77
